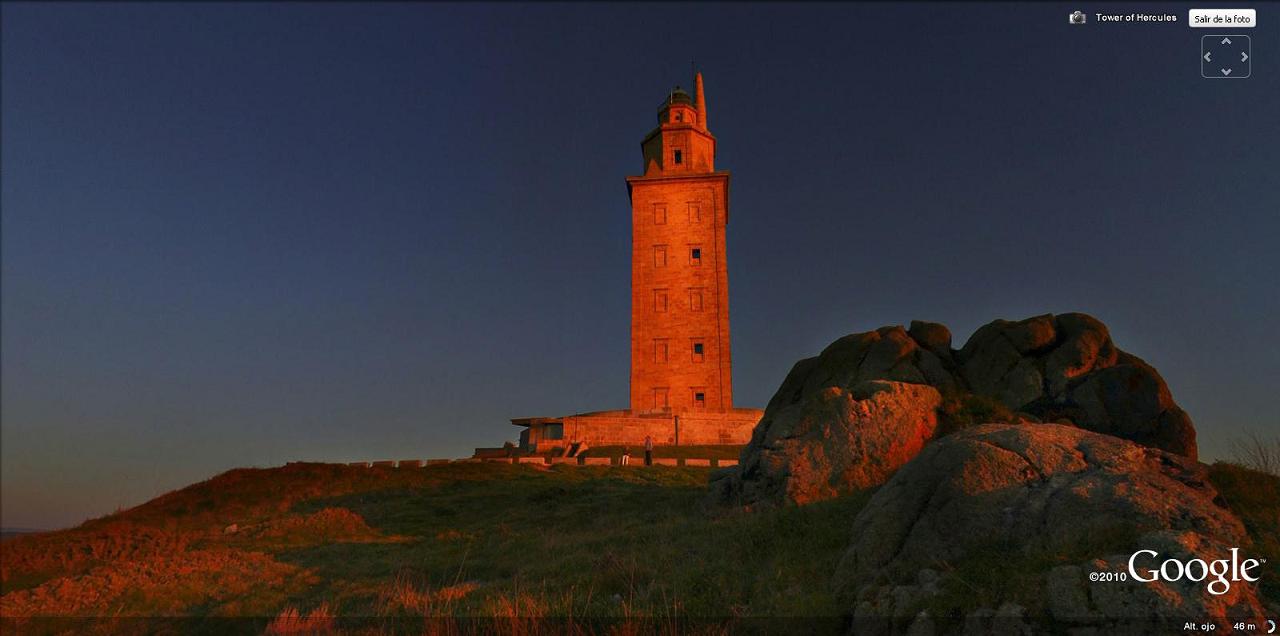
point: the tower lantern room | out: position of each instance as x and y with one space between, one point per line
681 143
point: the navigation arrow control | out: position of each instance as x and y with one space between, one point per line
1226 56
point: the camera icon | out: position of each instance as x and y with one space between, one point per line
1077 17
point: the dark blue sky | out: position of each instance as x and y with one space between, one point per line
241 234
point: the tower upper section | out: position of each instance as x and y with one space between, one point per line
681 144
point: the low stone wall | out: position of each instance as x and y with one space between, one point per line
609 428
635 460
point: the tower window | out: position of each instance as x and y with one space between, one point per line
660 350
659 255
660 397
679 117
698 355
695 255
695 299
699 397
678 156
659 300
697 347
659 214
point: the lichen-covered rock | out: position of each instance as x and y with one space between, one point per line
1131 401
1012 496
831 442
1055 367
932 336
1066 368
811 445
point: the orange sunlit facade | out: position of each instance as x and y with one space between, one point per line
680 357
681 368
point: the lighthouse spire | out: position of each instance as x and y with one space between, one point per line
700 100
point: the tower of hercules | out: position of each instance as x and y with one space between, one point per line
681 371
679 280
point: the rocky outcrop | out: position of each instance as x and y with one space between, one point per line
1018 498
832 441
814 442
1066 368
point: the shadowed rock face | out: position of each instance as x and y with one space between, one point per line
818 439
1066 368
1021 491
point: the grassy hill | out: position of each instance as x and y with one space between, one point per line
472 540
306 545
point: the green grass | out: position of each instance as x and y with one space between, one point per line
478 539
588 542
1255 498
961 410
499 540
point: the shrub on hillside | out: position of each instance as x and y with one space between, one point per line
962 410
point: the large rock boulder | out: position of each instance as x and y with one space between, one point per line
1066 368
846 418
832 441
1031 511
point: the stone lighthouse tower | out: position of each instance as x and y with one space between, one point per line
680 361
681 378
